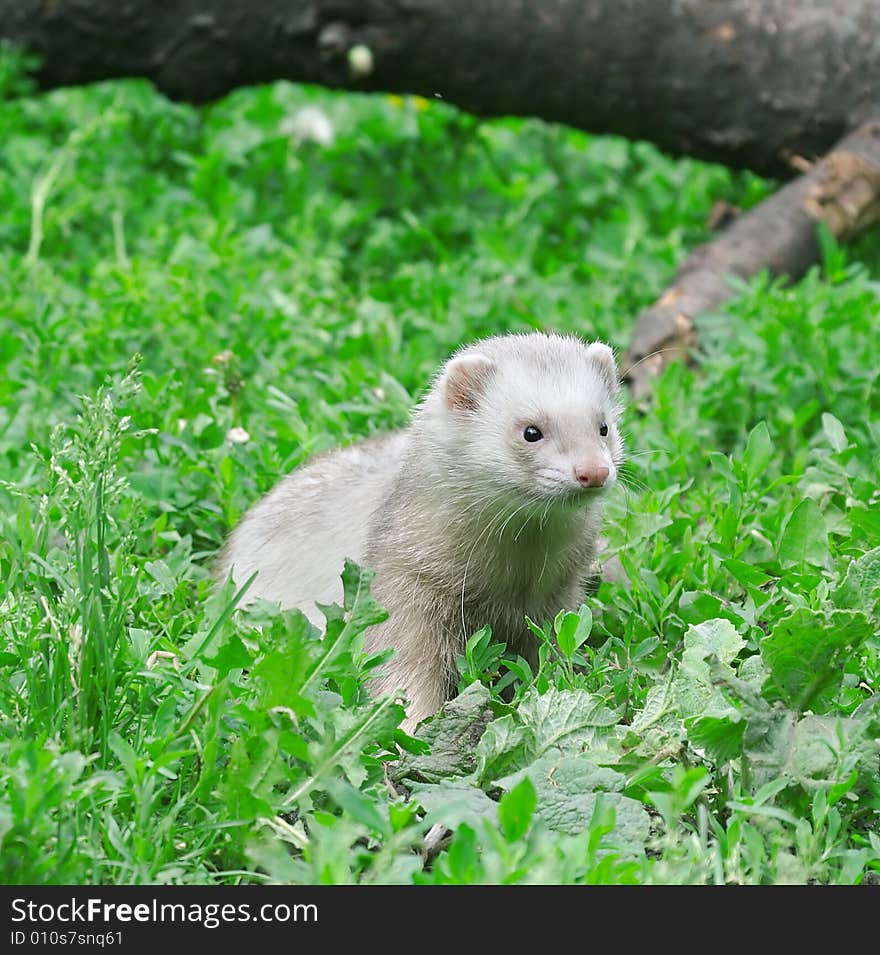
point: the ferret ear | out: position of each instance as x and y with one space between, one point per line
603 358
465 379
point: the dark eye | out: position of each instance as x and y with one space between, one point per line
603 430
532 433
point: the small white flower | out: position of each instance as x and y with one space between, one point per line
309 125
360 60
237 435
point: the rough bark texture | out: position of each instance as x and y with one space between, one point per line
751 83
842 190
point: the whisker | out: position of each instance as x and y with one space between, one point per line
535 500
629 482
653 354
641 454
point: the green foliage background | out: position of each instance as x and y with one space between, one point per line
711 715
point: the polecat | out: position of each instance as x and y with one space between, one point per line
484 510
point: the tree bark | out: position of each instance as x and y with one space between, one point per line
750 83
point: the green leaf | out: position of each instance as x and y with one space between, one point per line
806 653
353 733
357 805
233 655
745 573
343 636
574 631
282 673
568 789
481 658
804 539
254 775
161 573
505 746
656 731
453 735
567 720
759 452
860 588
566 774
463 856
819 753
515 810
834 432
363 609
126 755
454 803
695 691
722 738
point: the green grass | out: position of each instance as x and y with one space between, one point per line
711 716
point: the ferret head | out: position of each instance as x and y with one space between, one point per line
534 416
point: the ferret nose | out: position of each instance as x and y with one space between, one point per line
591 475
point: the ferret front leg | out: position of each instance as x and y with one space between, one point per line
423 666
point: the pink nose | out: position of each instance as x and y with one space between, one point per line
591 475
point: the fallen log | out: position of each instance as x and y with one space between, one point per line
842 190
748 83
769 85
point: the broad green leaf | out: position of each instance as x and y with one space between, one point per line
804 539
568 789
695 690
806 653
567 720
463 856
656 732
126 755
745 573
357 805
505 746
815 752
721 737
718 637
255 776
161 573
454 803
283 671
568 774
658 703
453 735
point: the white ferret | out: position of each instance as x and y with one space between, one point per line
485 509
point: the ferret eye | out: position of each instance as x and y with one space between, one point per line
532 433
603 430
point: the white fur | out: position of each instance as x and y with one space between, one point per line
298 536
464 522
